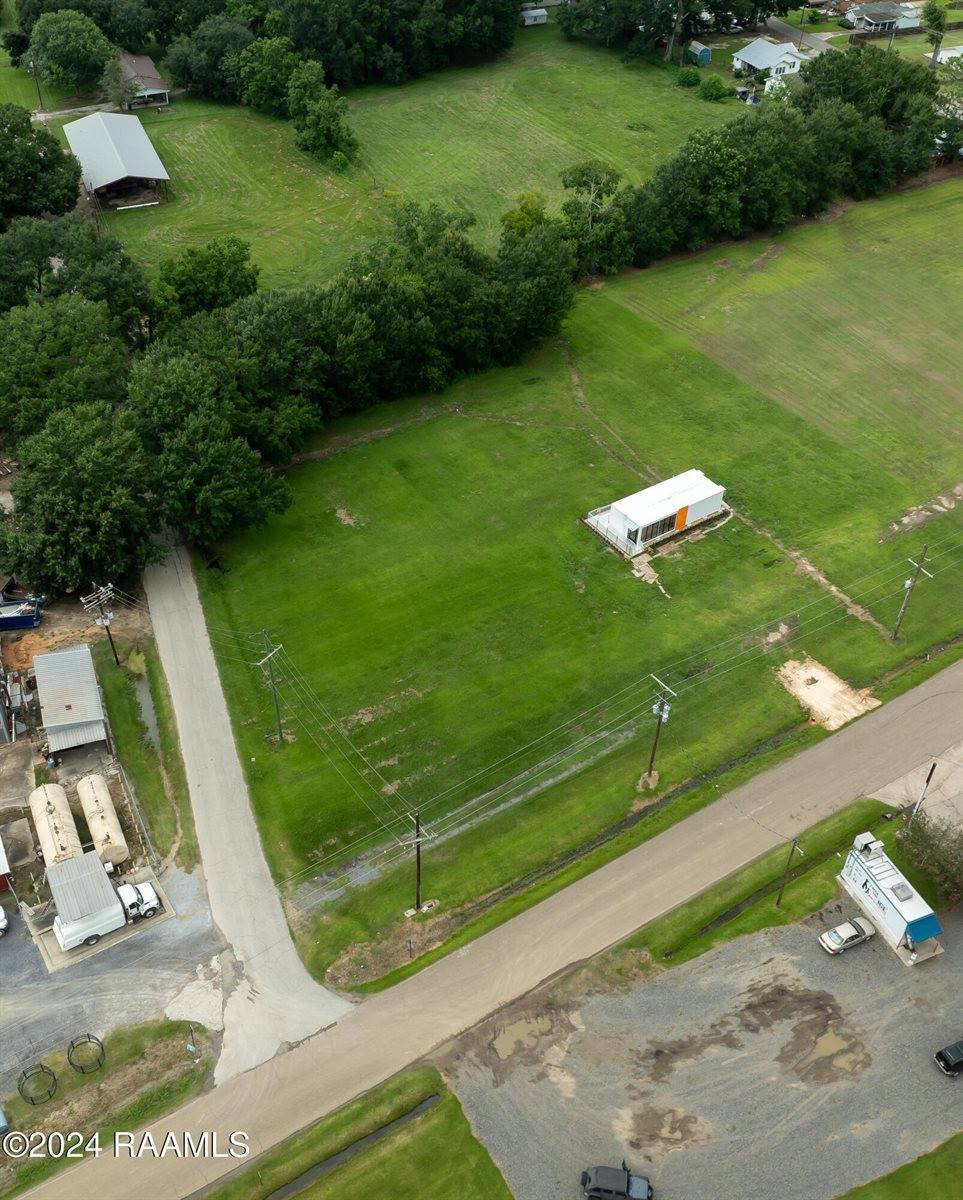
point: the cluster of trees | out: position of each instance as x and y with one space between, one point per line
224 61
641 25
864 120
130 407
35 174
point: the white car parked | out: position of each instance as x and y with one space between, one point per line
850 933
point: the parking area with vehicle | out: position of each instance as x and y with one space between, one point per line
825 1060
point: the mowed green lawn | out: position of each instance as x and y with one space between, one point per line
432 582
469 139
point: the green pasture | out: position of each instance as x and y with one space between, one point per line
432 583
469 139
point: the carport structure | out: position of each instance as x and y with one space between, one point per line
116 158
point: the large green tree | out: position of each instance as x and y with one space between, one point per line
45 259
319 114
36 176
206 61
208 277
83 508
69 50
53 356
208 479
266 67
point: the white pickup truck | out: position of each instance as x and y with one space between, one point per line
133 902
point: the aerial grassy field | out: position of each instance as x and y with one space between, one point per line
434 590
470 139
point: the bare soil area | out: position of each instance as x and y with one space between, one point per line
829 700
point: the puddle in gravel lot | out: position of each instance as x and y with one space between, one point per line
520 1035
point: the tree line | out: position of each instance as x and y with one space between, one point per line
132 406
864 120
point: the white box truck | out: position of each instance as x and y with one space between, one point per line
87 905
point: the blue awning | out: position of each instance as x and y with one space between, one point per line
924 928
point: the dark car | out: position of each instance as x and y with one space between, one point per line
950 1059
615 1183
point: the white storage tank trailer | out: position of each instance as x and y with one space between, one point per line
900 914
102 820
54 822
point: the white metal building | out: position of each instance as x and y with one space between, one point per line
70 704
902 917
114 152
534 16
656 512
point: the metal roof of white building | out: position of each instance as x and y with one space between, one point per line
70 704
763 55
80 887
662 499
112 146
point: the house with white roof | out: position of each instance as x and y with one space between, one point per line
115 154
637 521
778 58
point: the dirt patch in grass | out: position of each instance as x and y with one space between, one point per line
66 624
829 700
914 517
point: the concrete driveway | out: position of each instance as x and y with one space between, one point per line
126 983
274 1000
764 1069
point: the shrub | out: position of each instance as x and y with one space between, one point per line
713 88
688 77
339 162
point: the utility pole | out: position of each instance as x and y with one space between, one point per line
793 849
97 601
267 662
36 78
919 800
660 710
418 861
909 585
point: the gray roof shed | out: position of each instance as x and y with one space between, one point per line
111 147
80 887
70 704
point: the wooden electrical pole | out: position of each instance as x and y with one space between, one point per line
268 664
417 862
785 877
661 710
909 585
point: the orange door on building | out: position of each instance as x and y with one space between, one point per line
680 517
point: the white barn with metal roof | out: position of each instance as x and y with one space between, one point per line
657 512
113 148
70 703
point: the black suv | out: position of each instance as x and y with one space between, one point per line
950 1059
615 1183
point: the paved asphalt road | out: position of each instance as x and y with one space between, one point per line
275 1001
767 1041
397 1027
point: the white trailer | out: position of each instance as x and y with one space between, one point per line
902 917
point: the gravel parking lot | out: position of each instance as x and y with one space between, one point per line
126 983
765 1069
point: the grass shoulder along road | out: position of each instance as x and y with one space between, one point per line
934 1176
745 901
435 1154
149 748
148 1071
